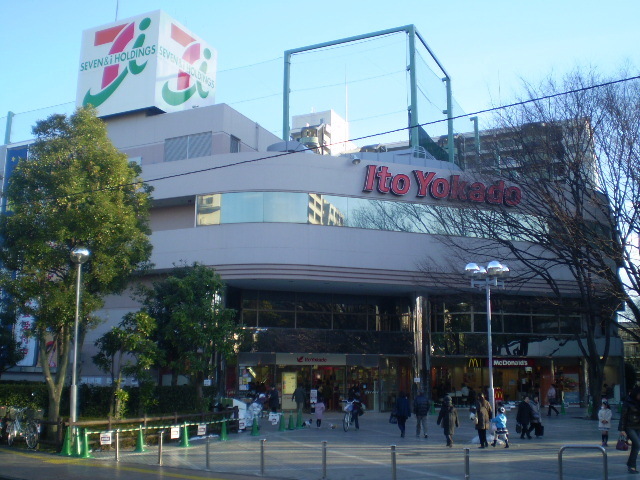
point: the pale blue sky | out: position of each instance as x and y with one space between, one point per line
485 46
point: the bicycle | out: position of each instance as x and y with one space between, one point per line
23 425
348 415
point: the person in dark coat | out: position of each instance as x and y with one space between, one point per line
421 407
629 426
274 400
524 417
484 414
448 418
403 411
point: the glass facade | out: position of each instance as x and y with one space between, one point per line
334 210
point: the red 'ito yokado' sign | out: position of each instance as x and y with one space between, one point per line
440 188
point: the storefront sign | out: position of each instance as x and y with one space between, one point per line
310 359
512 362
473 363
440 188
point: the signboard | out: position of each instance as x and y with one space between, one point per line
451 188
202 429
105 438
310 359
175 433
512 362
313 396
207 382
146 61
27 341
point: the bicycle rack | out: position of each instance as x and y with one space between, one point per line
584 447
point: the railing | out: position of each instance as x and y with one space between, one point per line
584 447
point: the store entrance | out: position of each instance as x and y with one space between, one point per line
330 383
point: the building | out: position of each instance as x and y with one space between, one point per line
334 263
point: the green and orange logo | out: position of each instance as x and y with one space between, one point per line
192 66
121 60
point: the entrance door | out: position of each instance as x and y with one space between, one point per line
330 383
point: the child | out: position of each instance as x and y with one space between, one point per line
448 418
500 421
604 421
320 408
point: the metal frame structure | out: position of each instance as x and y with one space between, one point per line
411 31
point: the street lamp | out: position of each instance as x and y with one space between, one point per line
488 277
79 255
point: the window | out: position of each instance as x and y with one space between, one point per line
189 146
235 145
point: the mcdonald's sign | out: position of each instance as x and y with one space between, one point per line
473 363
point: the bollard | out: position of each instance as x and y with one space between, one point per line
117 445
140 442
262 456
292 426
66 444
324 459
466 464
223 431
393 462
85 445
184 441
160 435
281 427
208 464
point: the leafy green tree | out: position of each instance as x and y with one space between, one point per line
127 349
195 331
76 189
10 351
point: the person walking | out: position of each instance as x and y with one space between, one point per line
500 422
320 408
356 405
403 411
629 426
484 416
448 418
274 400
421 408
604 421
524 417
536 422
299 396
552 399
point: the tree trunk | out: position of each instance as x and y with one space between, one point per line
55 383
595 373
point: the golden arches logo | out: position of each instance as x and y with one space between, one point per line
473 363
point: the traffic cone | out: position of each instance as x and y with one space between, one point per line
254 427
76 444
433 408
223 431
281 427
184 441
66 444
589 409
299 421
85 446
562 410
292 425
140 443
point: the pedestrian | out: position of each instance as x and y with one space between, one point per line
500 421
356 404
448 418
604 421
524 417
552 399
274 400
299 396
629 426
320 408
403 411
421 408
484 414
536 422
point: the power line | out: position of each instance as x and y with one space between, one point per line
282 154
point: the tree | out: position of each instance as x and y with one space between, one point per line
575 157
195 331
10 351
127 349
76 189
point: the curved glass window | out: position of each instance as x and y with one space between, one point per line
333 210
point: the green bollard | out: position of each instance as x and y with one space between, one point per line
184 441
281 427
140 443
254 427
66 445
562 409
433 408
223 431
292 425
85 446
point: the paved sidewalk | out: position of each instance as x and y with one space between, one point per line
355 454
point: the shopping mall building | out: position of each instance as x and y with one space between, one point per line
336 265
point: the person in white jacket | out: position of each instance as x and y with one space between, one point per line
604 421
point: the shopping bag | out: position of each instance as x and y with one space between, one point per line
518 428
393 419
539 429
622 444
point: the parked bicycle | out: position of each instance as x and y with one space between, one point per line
23 425
348 415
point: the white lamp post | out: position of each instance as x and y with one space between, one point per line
488 277
79 255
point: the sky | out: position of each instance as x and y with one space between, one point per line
486 47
